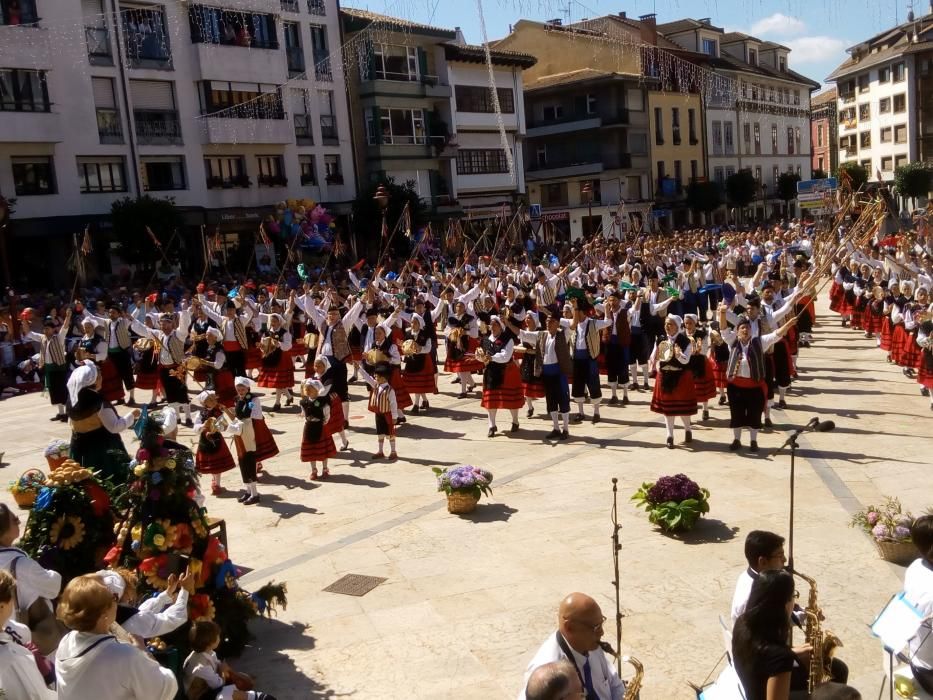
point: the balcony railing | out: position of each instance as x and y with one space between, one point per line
329 136
322 70
308 179
303 133
316 7
218 183
609 117
273 181
269 108
109 127
289 5
334 179
157 126
296 60
98 45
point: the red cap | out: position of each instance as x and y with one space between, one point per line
152 298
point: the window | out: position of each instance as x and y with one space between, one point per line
23 91
316 7
591 104
864 112
164 173
775 175
884 74
774 138
146 37
866 164
900 161
96 33
692 126
595 189
225 172
14 13
638 143
730 171
154 114
899 72
757 138
329 134
290 6
711 47
819 136
887 163
863 82
864 139
820 163
320 53
900 103
552 113
758 174
771 94
798 171
790 140
241 100
481 161
633 188
304 134
101 175
272 171
694 170
675 125
744 90
728 137
660 166
333 174
797 97
213 25
396 62
678 174
719 175
294 56
474 98
753 57
541 155
886 133
782 64
884 105
33 175
717 138
747 136
554 194
900 133
658 126
396 127
307 169
754 91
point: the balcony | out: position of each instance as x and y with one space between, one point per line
329 135
147 49
26 46
30 127
579 121
317 7
219 183
308 180
334 179
225 63
304 136
322 70
99 51
847 97
273 181
232 131
404 85
290 5
157 127
109 127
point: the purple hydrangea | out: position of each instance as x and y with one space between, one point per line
675 488
901 533
881 531
905 520
463 477
872 518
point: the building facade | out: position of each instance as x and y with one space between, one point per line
885 99
823 133
170 99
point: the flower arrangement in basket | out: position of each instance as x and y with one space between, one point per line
889 527
26 488
674 503
56 453
464 485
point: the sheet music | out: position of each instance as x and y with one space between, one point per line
897 623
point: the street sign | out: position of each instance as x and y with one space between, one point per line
536 226
816 186
534 211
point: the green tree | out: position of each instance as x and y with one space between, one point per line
741 188
131 217
787 187
367 217
819 174
703 196
913 180
856 173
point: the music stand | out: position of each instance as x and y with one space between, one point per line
895 626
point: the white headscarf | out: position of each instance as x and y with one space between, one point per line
214 333
276 317
203 396
243 381
315 384
113 581
678 321
496 319
693 317
323 360
85 375
417 317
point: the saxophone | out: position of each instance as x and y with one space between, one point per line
823 642
633 687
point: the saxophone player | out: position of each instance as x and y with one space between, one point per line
918 589
577 639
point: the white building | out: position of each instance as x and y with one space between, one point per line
758 115
227 108
884 99
481 180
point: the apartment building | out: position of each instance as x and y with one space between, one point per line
226 108
587 130
885 98
823 132
757 109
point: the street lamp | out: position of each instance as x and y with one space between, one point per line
381 198
587 194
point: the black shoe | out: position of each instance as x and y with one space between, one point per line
352 380
415 410
55 417
152 404
909 372
491 433
578 418
401 420
705 414
614 401
564 435
645 386
753 447
425 406
768 423
189 423
782 404
462 395
670 443
845 324
530 413
553 435
514 428
456 380
688 437
722 400
868 335
290 400
734 445
595 419
252 500
243 496
625 401
276 406
633 386
924 391
119 402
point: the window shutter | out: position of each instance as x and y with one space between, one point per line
93 12
422 62
299 105
152 94
103 93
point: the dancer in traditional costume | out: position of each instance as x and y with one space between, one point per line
532 386
277 370
617 339
418 375
337 422
674 389
925 342
210 425
119 345
92 346
53 362
502 381
317 443
462 341
253 439
704 372
585 337
382 404
171 343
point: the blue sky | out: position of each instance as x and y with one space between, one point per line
817 31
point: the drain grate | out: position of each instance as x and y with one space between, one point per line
354 584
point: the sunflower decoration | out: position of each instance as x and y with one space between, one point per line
201 607
67 532
198 522
156 571
184 540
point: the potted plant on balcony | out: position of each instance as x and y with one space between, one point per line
242 181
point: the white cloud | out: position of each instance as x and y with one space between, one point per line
777 25
816 49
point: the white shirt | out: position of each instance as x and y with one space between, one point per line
550 344
203 665
19 675
743 370
159 615
743 589
918 590
606 682
32 581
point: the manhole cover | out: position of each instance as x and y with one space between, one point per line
354 584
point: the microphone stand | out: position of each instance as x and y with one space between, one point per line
616 547
792 443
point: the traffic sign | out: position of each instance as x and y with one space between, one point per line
534 211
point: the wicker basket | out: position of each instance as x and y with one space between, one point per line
461 503
27 498
902 553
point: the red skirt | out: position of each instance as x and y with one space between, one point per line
911 353
297 349
871 322
424 381
281 376
899 342
809 306
509 394
356 352
214 462
887 333
465 364
837 300
337 421
200 376
705 386
719 373
111 384
253 357
925 375
223 385
681 401
147 379
533 390
402 397
265 443
318 451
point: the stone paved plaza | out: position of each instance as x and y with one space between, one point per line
467 600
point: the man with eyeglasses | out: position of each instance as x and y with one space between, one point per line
577 640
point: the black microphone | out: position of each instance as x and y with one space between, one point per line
815 421
825 426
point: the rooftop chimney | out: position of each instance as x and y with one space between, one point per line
649 29
651 19
705 20
622 15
